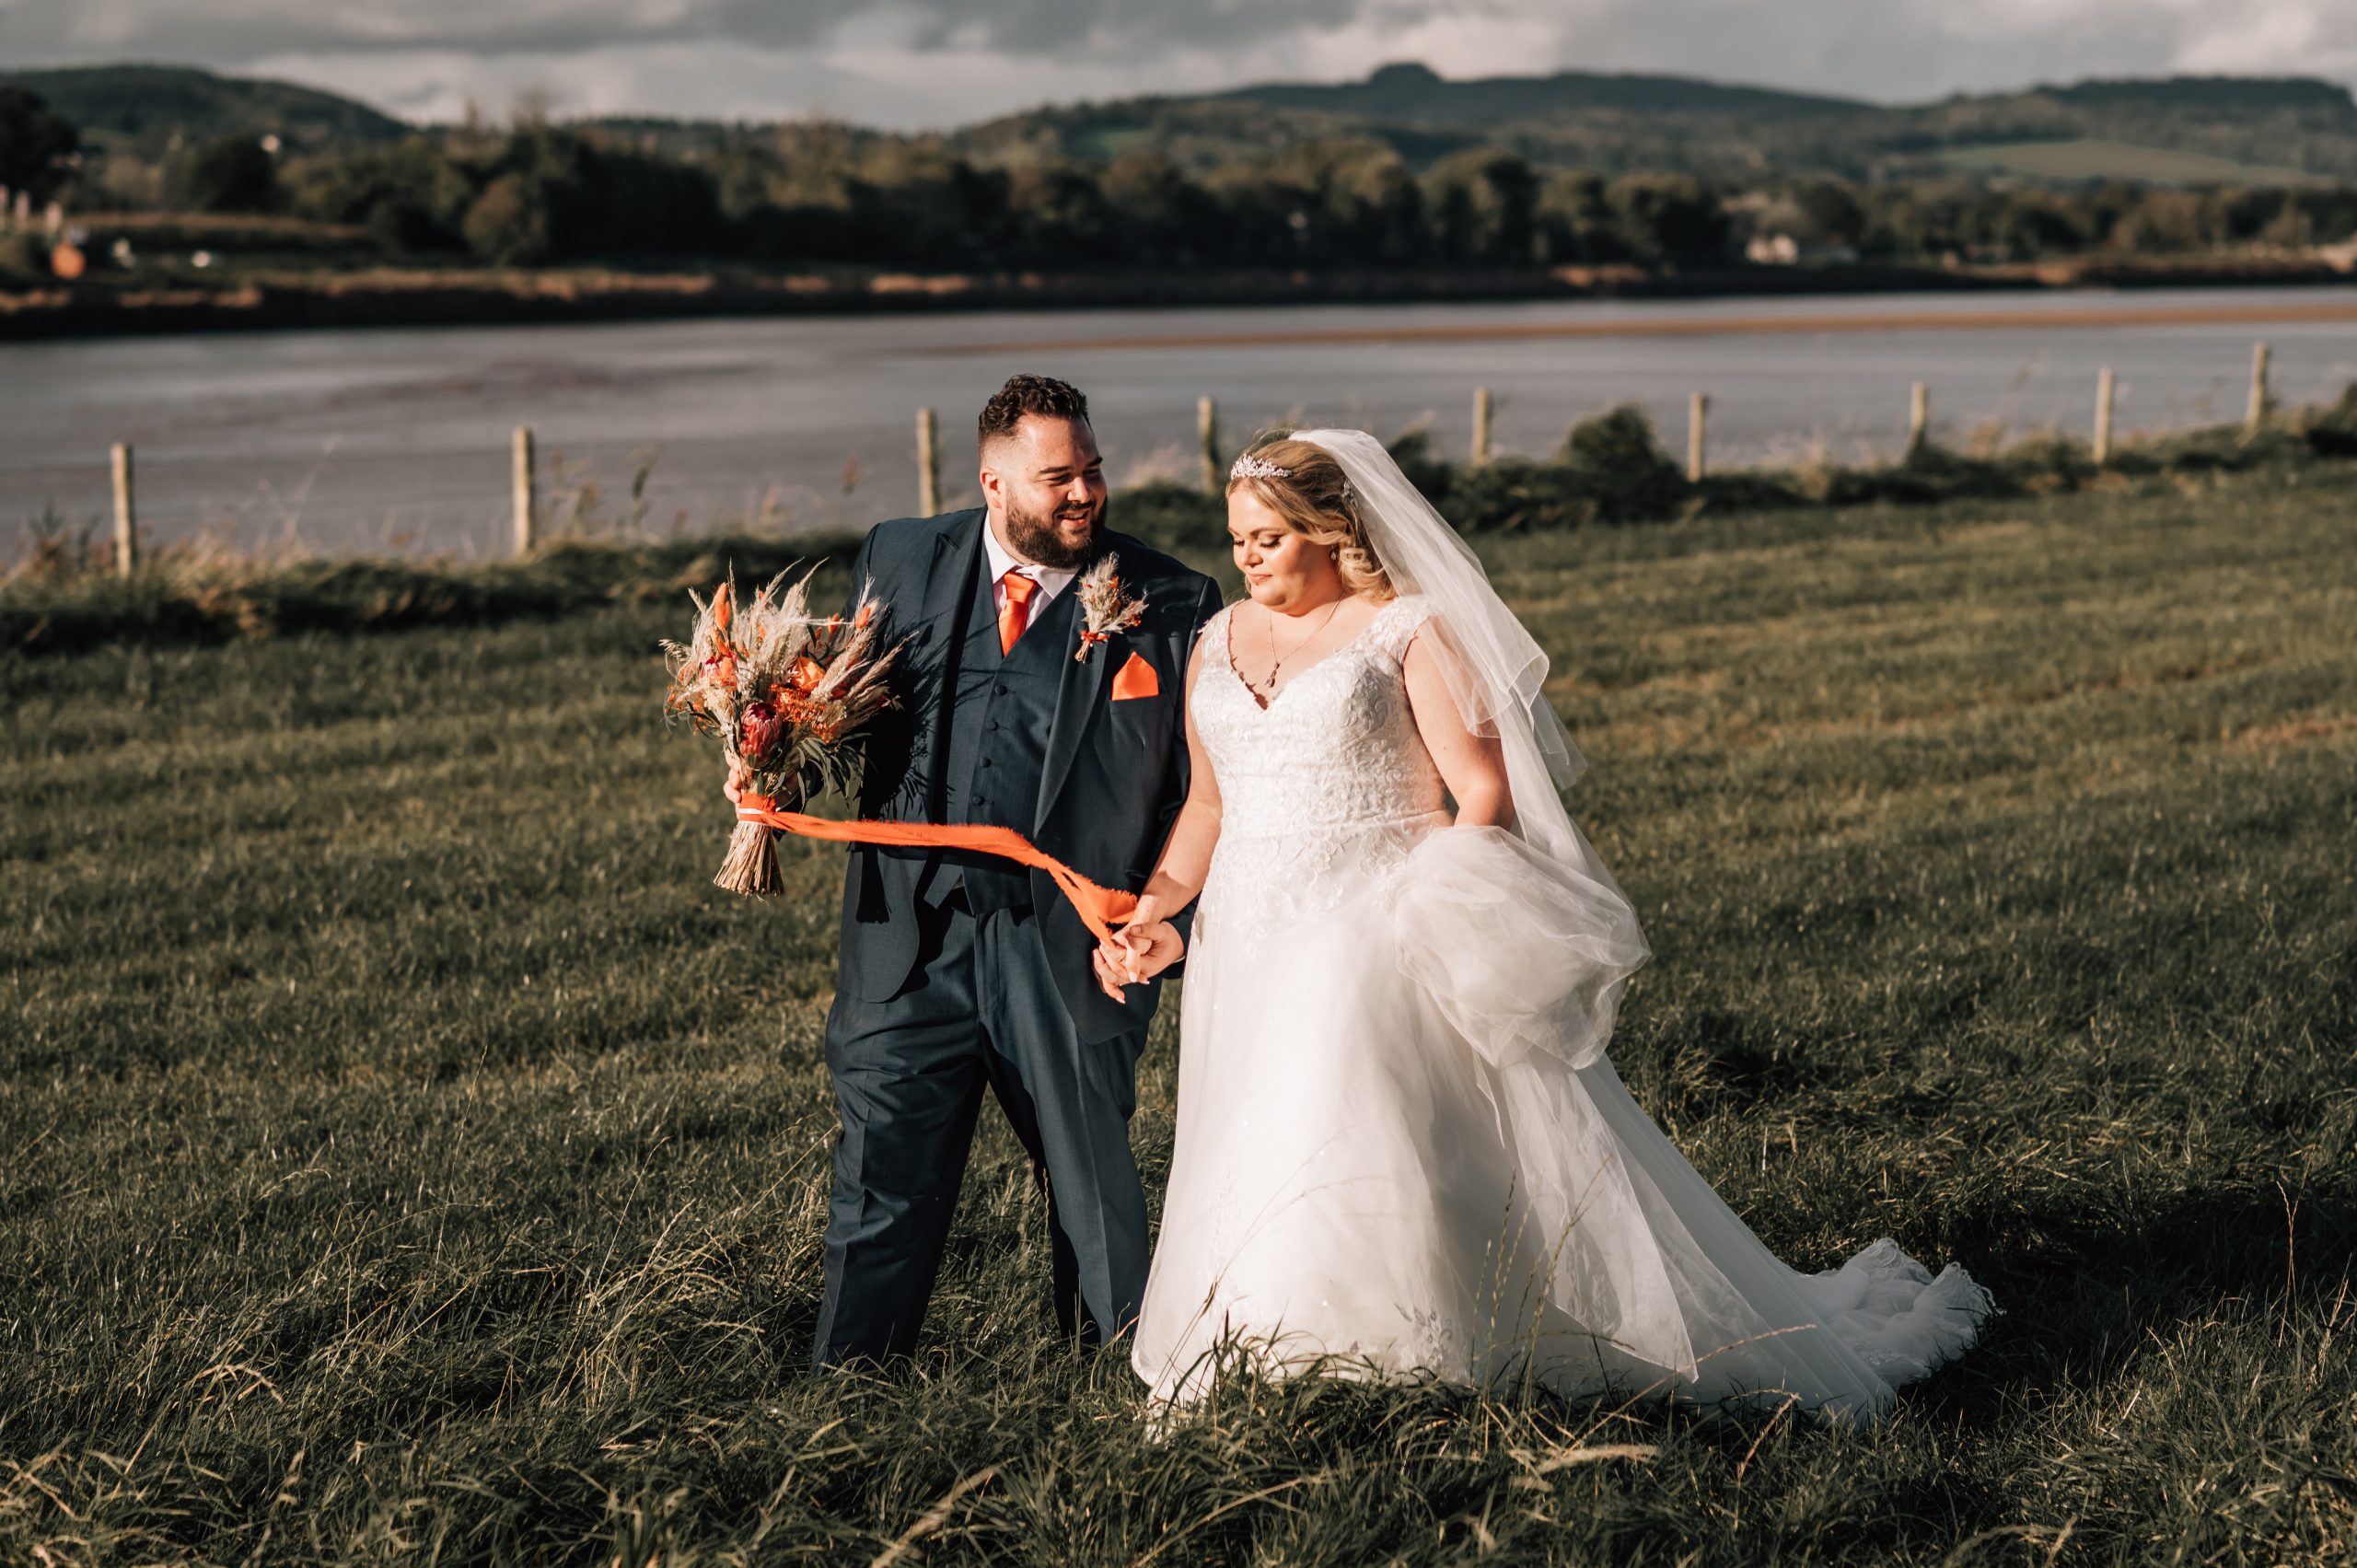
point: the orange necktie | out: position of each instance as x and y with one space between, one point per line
1016 614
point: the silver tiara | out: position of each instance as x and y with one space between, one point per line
1250 467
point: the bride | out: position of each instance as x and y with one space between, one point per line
1400 1147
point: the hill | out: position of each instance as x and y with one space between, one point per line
2173 129
141 109
1618 123
1417 95
2193 93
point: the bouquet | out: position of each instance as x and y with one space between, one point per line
788 695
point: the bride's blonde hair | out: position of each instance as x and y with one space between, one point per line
1315 499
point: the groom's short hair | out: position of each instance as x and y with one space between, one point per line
1042 395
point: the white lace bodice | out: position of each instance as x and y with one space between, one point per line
1326 787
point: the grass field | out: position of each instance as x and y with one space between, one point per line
412 1158
2089 160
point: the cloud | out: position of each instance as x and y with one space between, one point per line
913 62
244 28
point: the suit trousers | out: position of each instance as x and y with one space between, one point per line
980 1010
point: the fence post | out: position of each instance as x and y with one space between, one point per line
1483 407
2256 416
1919 418
2103 416
1207 438
928 464
1698 410
126 518
526 506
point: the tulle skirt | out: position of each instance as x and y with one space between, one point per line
1402 1151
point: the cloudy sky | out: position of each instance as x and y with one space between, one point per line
923 62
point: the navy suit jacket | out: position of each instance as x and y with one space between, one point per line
1116 772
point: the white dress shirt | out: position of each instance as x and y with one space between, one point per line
1052 580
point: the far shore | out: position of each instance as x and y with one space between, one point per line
2126 314
391 298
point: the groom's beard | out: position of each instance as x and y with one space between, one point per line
1043 539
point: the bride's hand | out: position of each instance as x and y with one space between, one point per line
1119 964
1138 951
1142 948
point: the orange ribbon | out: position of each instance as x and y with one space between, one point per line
1100 909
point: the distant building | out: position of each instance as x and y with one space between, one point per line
1784 251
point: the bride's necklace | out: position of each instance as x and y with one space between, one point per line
1267 690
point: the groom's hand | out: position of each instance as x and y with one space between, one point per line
740 779
1107 961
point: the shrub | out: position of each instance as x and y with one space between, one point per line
1171 516
410 196
55 605
230 174
1516 494
24 256
35 143
2333 433
1425 469
508 225
1622 467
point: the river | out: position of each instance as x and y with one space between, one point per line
399 439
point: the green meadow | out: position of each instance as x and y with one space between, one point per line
412 1158
2098 159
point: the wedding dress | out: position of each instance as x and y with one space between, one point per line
1401 1150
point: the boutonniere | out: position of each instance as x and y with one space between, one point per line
1103 610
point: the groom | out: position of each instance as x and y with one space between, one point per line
959 971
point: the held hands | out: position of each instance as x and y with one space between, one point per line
1139 950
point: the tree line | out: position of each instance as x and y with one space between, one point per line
537 193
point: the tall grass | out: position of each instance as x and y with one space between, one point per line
413 1156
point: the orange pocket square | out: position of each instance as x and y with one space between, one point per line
1136 678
